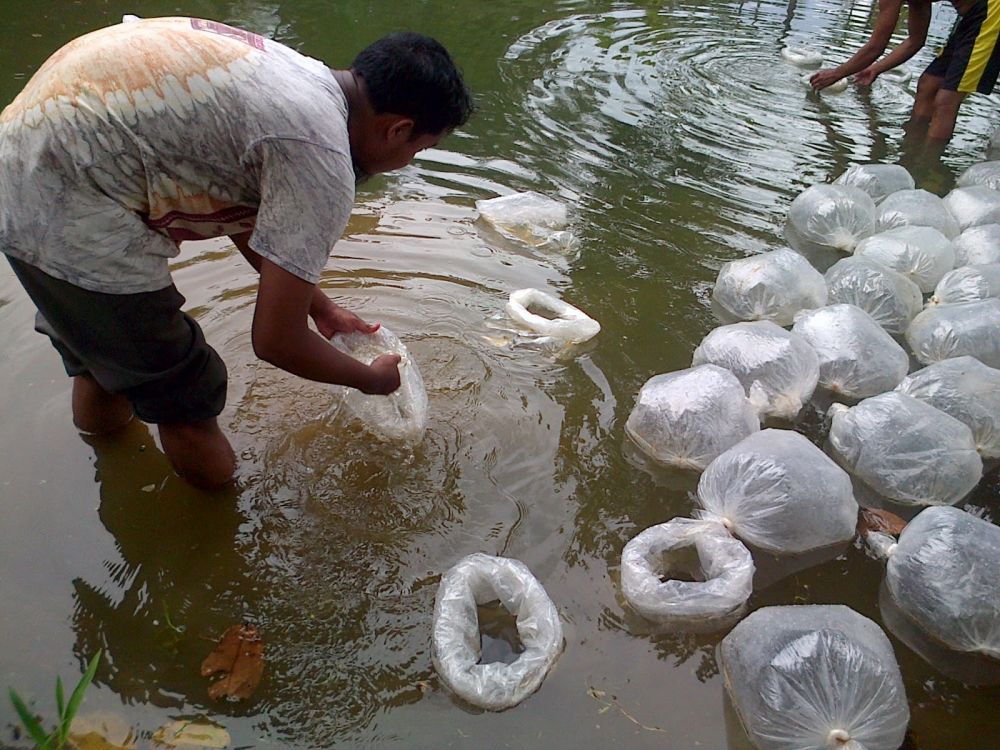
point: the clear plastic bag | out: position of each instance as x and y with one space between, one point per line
965 328
687 418
814 677
528 217
968 284
973 206
906 450
916 208
985 173
778 369
769 286
977 245
857 358
878 180
829 216
479 579
779 492
966 389
922 254
888 296
568 323
402 415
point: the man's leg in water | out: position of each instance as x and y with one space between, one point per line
199 452
95 411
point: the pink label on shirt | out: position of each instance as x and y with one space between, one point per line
247 37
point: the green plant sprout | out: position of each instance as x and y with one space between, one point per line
56 739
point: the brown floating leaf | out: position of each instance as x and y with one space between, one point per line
875 519
239 657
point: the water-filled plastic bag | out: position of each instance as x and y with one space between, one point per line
966 389
814 677
857 358
567 323
986 173
917 208
528 217
906 450
878 180
687 418
946 331
973 206
402 415
968 284
888 296
830 216
803 57
922 254
977 245
480 579
770 286
778 369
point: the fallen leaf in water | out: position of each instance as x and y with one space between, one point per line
875 519
239 658
190 734
101 730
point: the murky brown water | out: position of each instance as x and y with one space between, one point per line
679 137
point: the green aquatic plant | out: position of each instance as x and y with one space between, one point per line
56 739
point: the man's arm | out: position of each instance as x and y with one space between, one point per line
917 25
885 24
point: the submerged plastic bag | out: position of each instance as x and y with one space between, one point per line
973 206
906 450
769 286
857 358
567 324
917 208
878 180
479 579
778 369
945 331
977 245
922 254
400 416
829 216
687 418
814 677
985 173
529 217
968 284
888 296
966 389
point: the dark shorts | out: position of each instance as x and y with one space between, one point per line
970 60
139 345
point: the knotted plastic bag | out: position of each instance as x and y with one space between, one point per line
567 324
770 286
965 328
922 254
977 245
906 450
888 296
968 284
878 180
973 206
985 173
857 358
778 369
966 389
829 216
687 418
480 579
528 217
917 208
814 677
402 415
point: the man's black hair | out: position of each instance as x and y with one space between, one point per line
412 75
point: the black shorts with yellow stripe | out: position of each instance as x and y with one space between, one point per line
970 60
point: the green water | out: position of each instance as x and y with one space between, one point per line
679 137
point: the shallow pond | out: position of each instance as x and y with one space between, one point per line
679 137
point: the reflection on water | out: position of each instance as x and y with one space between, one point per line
678 136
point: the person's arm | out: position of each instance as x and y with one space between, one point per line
885 24
917 25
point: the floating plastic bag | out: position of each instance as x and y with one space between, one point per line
803 57
834 88
480 579
878 180
888 296
985 173
687 418
857 358
946 331
973 206
830 216
779 492
906 450
568 324
814 677
769 286
528 217
916 208
966 389
977 245
968 284
778 369
402 415
922 254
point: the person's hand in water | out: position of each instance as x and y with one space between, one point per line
866 77
823 78
384 375
331 318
